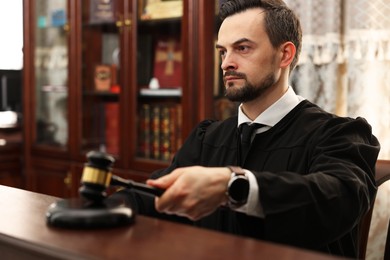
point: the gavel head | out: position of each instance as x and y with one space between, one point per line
96 176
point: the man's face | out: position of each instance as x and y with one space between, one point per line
249 61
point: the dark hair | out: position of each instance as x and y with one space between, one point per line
281 23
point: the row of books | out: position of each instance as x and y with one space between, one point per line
159 131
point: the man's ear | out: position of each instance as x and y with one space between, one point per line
288 51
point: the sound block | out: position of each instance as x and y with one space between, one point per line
78 213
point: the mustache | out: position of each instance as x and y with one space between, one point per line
234 74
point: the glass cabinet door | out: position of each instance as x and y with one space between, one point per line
159 78
51 73
223 108
102 26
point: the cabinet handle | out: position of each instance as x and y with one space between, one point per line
119 23
127 22
68 180
66 27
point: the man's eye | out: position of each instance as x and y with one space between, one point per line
222 53
243 48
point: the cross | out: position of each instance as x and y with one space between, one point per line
170 55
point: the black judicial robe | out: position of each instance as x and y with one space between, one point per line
315 173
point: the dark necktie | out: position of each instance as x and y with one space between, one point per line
246 134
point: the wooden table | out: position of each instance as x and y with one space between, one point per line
24 234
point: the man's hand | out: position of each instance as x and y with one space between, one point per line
193 192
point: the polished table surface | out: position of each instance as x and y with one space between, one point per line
24 234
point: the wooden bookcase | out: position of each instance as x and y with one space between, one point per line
83 79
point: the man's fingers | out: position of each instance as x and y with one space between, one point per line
165 181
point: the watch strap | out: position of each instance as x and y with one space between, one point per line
236 170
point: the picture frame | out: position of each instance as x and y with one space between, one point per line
103 77
102 12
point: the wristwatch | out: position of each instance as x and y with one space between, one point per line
238 187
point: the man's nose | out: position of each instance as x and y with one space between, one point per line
228 63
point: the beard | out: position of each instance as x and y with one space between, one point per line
249 91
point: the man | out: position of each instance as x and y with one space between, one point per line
308 177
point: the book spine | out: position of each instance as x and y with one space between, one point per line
155 131
165 133
173 130
144 132
112 127
179 140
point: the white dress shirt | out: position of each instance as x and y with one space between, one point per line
270 117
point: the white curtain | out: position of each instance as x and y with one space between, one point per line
345 61
345 69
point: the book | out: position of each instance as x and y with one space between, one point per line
144 131
112 128
179 123
175 129
168 62
165 132
155 132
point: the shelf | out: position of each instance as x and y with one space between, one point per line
163 92
101 93
52 88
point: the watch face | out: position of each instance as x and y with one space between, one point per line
239 189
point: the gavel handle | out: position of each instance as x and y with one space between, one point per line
118 181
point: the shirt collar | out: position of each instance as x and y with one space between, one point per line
272 115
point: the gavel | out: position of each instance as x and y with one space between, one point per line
97 177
